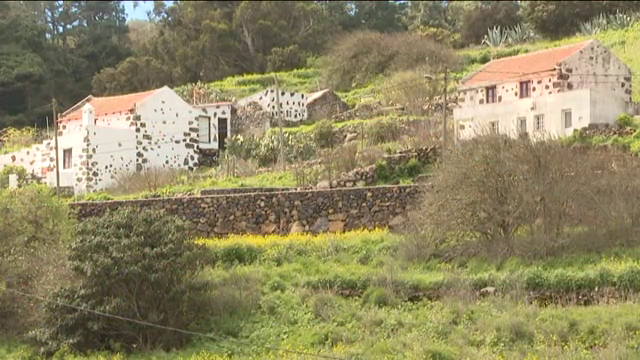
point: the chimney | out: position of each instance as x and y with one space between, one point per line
88 116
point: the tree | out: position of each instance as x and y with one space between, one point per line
138 264
554 19
135 74
22 68
266 25
488 14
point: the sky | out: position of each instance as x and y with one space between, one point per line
140 13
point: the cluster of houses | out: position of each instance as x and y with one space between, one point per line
540 94
100 137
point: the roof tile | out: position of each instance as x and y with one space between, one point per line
514 67
108 105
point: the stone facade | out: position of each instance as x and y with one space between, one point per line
292 104
324 104
280 212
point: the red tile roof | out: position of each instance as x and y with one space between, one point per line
106 105
513 67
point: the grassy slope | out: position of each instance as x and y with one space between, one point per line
282 291
624 43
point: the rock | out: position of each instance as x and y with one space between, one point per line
397 221
351 137
336 226
323 185
269 228
422 178
361 183
489 290
338 217
321 225
297 228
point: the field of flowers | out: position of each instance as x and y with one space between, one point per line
353 296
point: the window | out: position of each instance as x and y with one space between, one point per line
66 159
538 123
491 94
494 127
204 129
522 125
566 118
525 89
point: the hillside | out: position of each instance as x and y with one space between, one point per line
624 43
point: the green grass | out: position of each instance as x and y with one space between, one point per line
193 187
347 295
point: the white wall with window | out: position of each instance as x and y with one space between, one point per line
213 125
556 115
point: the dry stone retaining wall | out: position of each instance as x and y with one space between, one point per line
280 212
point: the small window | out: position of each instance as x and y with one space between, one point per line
494 127
491 94
566 118
538 124
204 129
522 125
525 89
67 162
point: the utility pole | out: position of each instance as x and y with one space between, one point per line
55 136
444 111
279 114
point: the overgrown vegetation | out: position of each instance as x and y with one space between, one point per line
499 197
138 264
380 54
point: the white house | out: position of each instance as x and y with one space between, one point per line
214 125
292 104
547 93
102 136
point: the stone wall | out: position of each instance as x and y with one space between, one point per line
280 212
246 190
606 130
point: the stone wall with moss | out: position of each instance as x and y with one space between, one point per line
315 211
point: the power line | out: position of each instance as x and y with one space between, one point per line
169 328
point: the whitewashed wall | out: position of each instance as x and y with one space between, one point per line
293 104
215 112
166 132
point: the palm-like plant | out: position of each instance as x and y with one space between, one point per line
594 26
495 37
620 20
520 33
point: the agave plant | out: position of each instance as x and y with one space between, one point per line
520 33
594 26
620 20
495 37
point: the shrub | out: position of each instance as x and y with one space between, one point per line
378 296
409 89
382 171
16 139
359 57
138 264
34 230
626 120
496 197
323 134
12 169
411 169
383 131
148 180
